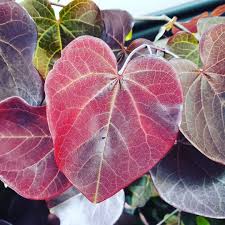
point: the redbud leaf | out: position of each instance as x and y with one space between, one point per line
77 18
18 38
74 209
26 155
109 129
191 182
203 114
186 46
206 23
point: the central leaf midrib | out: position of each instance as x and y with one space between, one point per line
107 131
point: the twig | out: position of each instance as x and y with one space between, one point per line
166 218
162 18
179 218
131 55
143 219
57 4
149 47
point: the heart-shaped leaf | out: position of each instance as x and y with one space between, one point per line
79 17
75 209
191 182
206 23
117 24
109 129
18 39
26 154
203 114
186 46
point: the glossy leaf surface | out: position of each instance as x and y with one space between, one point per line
203 113
77 210
109 129
186 46
18 39
26 151
191 182
76 19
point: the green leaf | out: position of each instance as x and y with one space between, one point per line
129 36
141 191
202 221
79 17
186 46
172 220
206 23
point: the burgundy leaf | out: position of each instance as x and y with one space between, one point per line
26 154
117 24
18 38
203 114
191 182
109 129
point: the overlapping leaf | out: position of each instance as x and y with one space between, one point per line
141 191
186 46
206 23
109 129
76 19
18 39
203 114
117 24
191 182
192 24
26 151
74 209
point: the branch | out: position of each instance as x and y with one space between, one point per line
143 219
149 47
165 219
56 4
162 18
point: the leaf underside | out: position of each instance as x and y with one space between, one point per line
18 39
108 129
190 181
27 162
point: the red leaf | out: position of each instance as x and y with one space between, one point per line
26 155
110 129
218 11
192 24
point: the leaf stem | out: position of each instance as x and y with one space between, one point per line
162 18
166 218
56 4
149 47
143 219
